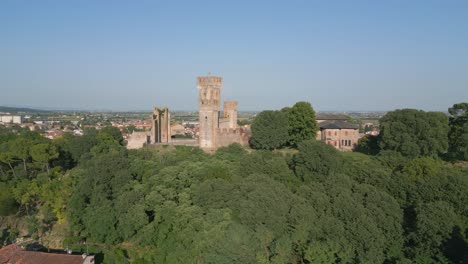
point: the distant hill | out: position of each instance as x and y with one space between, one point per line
19 109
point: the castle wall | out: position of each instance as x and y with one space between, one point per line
228 136
136 140
209 105
208 125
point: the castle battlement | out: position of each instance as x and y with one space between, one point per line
230 105
209 82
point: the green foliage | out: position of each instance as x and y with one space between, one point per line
301 123
181 205
414 133
368 145
269 130
8 204
316 159
44 153
114 133
458 134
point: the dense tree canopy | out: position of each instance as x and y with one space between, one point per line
458 135
181 205
269 130
414 133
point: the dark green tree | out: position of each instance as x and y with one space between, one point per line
114 132
8 204
458 134
414 133
269 130
368 145
316 159
302 124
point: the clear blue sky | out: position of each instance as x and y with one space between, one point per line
131 55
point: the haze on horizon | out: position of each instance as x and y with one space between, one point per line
345 55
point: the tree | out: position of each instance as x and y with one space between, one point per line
269 130
368 144
302 124
316 158
414 133
43 153
8 204
114 132
458 134
21 148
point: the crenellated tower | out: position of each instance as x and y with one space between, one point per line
209 88
230 113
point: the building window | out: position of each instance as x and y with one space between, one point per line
335 143
349 142
346 133
329 133
336 133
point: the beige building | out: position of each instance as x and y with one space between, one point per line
177 129
11 119
338 133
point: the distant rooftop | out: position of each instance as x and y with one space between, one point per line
15 254
337 125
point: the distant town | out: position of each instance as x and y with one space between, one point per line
184 124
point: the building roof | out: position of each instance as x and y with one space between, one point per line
330 117
15 254
337 125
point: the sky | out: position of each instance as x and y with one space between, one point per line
133 55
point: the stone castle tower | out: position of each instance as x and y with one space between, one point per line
230 113
161 126
209 106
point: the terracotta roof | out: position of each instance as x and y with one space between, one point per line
337 125
15 254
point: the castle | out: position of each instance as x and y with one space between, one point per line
214 131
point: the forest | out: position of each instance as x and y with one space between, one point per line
402 197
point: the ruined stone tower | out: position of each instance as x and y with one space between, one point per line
209 88
161 126
230 113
